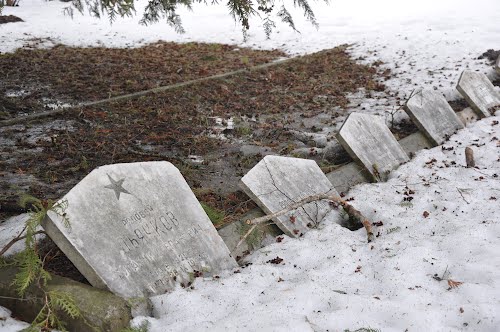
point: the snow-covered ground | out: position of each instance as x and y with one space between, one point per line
331 279
8 324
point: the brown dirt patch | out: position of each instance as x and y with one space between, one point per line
9 19
178 123
491 55
70 74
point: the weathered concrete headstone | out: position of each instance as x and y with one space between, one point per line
277 182
432 114
368 140
497 65
479 92
137 229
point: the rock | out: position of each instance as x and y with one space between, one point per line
263 234
100 309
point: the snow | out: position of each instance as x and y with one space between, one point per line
331 279
11 228
9 324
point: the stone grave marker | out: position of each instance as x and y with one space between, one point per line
368 140
479 92
432 114
497 65
277 182
137 229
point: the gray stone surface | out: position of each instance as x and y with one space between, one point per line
367 139
432 114
479 92
351 174
497 65
347 176
415 142
277 182
137 229
260 236
100 310
467 115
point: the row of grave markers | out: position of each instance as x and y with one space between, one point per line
138 230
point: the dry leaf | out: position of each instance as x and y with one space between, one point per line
454 284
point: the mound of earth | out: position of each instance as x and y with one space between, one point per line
9 19
491 55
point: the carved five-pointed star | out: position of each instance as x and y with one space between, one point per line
116 186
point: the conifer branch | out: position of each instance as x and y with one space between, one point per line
17 239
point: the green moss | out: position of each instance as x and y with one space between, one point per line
254 239
242 131
215 215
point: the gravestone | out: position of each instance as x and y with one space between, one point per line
479 92
368 140
137 229
277 182
432 114
497 65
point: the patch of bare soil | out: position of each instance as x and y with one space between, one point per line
69 74
9 19
491 55
47 158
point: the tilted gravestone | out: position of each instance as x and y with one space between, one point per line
137 229
432 114
368 140
479 92
277 182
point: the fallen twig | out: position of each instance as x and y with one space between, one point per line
349 209
243 238
469 157
17 239
460 192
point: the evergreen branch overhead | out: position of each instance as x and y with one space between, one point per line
166 10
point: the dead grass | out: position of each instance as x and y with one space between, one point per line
172 125
88 74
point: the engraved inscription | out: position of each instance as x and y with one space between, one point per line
146 225
143 224
485 94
